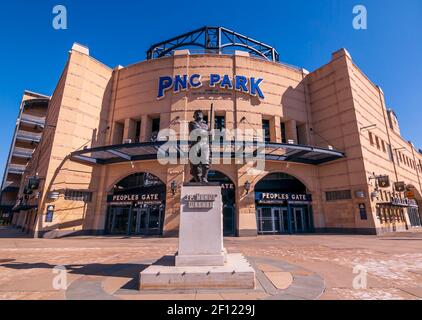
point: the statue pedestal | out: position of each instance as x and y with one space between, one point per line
201 227
201 262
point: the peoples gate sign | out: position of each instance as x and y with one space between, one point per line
185 82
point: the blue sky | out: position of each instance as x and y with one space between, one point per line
304 32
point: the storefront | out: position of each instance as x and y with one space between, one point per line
283 205
392 214
136 206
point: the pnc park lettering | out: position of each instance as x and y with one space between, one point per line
194 81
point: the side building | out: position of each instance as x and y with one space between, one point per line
26 137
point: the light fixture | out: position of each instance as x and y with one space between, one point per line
247 186
173 187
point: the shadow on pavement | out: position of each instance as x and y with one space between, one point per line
120 270
12 233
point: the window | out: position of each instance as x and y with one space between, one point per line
155 125
371 138
338 195
283 132
155 128
266 129
390 153
77 195
138 131
219 122
383 145
377 142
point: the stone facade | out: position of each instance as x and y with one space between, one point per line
335 106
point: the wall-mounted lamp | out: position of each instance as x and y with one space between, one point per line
247 187
173 187
175 121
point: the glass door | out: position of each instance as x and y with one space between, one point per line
154 216
298 220
284 220
276 212
119 220
265 220
228 220
139 220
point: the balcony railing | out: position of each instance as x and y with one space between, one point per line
33 120
17 168
11 184
22 152
28 136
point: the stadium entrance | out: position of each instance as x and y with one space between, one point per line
282 205
137 206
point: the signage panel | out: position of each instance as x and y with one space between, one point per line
282 198
185 82
140 199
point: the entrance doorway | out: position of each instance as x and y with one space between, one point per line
414 217
146 221
137 206
283 205
272 220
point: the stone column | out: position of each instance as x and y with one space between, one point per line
172 215
145 129
275 128
129 130
291 131
245 204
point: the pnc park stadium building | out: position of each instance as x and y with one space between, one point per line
335 160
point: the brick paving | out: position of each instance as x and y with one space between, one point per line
321 266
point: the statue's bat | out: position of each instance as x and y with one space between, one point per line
212 123
212 118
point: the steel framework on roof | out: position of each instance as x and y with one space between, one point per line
213 40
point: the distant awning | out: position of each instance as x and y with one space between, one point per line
148 151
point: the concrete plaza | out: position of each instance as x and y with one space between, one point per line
287 267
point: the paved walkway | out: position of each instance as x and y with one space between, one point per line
287 267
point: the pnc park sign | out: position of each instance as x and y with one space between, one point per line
185 82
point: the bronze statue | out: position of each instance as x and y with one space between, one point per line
200 170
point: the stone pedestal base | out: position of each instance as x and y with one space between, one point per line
200 260
236 273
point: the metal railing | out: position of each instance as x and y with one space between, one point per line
17 168
28 136
34 120
22 152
